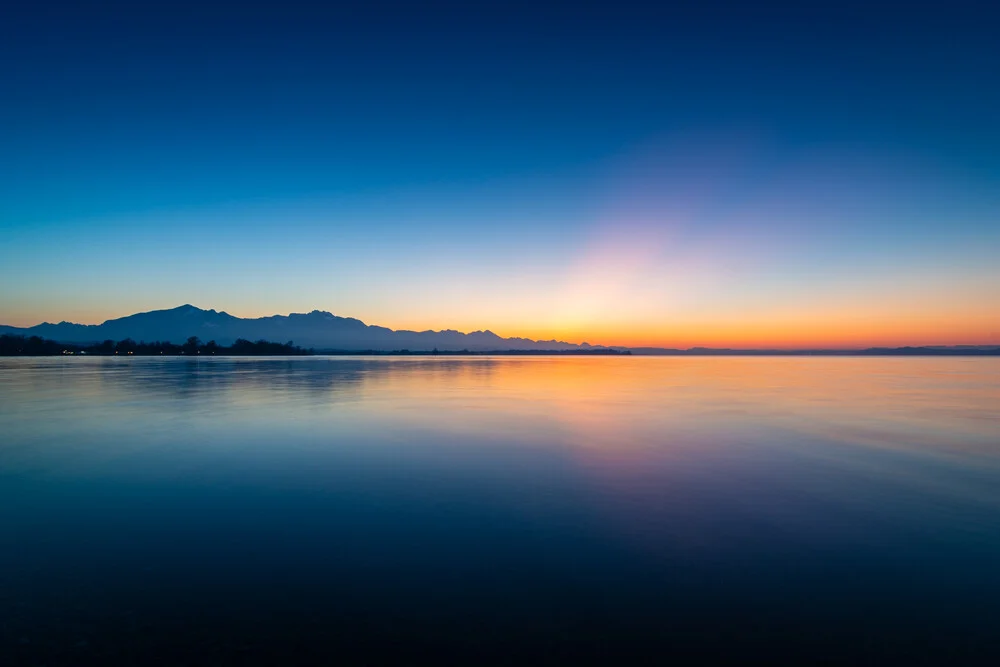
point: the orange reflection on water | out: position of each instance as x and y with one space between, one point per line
601 398
661 444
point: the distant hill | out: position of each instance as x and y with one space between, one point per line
318 329
326 332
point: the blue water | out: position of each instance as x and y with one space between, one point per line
310 510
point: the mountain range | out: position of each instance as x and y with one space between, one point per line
319 329
326 332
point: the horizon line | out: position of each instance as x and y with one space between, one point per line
735 348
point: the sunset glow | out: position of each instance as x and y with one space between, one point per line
781 224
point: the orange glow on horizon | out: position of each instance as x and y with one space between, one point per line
790 330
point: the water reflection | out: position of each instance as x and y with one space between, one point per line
558 501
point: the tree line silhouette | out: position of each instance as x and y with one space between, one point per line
35 346
12 346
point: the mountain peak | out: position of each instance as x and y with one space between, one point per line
318 329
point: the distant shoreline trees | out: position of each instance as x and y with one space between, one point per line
35 346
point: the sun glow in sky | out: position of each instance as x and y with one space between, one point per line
658 177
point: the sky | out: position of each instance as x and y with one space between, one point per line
714 174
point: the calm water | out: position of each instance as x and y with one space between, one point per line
177 511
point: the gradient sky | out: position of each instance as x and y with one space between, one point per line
741 174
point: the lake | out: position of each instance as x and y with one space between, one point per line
516 509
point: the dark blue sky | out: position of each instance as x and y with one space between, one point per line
472 117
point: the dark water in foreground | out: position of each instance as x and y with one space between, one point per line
305 510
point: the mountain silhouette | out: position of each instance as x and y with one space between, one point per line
319 329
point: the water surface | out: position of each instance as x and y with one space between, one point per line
210 511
